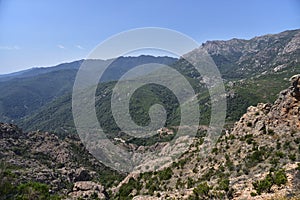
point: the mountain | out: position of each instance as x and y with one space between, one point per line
256 157
239 58
25 92
259 158
244 88
40 70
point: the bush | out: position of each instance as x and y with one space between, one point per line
224 184
271 132
249 124
280 154
298 167
127 188
292 157
263 185
190 183
165 174
253 194
280 177
33 190
202 189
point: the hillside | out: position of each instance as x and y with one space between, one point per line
57 115
259 158
26 92
39 165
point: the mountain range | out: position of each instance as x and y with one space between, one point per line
256 157
245 85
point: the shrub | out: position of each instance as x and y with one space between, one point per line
202 189
280 177
249 124
263 185
278 145
297 140
224 184
127 188
190 183
271 132
292 157
280 154
33 190
298 167
165 174
253 194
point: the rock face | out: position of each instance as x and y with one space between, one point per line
283 116
88 189
295 81
276 130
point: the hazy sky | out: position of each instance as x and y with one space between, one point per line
43 33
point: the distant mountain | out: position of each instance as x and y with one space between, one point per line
238 58
23 93
41 70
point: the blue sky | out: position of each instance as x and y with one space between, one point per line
37 33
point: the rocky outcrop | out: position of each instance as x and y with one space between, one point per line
273 130
283 116
10 131
88 189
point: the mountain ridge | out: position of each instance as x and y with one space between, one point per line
22 95
237 89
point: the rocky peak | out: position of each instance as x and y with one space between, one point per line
295 82
283 115
264 54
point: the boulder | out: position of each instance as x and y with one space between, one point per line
87 189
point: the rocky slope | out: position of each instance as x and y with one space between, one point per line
258 159
238 58
64 166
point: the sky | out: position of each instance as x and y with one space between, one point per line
36 33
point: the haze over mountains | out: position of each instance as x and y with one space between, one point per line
254 158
